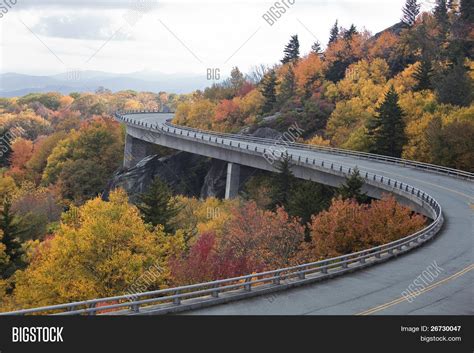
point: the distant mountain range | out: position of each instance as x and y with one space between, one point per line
14 84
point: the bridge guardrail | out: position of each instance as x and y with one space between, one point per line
333 150
171 299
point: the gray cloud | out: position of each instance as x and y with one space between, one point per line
80 26
88 4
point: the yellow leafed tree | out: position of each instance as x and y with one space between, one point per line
100 250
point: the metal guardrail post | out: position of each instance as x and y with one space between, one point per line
247 286
92 306
278 279
135 308
177 301
302 275
325 269
215 294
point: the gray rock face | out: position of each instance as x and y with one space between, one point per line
186 173
183 172
266 132
215 180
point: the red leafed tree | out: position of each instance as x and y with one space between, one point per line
227 110
254 240
246 88
199 265
206 262
269 239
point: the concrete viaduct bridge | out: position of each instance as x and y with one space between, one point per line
436 279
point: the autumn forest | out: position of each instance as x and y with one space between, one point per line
66 235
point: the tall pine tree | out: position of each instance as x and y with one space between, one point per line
387 129
268 90
423 75
156 205
466 8
292 51
334 34
10 226
455 86
308 199
351 32
316 48
287 87
283 182
352 189
410 12
442 18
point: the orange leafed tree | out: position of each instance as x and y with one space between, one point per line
22 150
349 227
307 69
384 46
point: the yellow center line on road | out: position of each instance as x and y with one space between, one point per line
427 289
470 197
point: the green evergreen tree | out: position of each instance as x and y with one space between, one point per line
10 226
283 182
387 129
352 189
410 12
423 75
156 205
455 86
441 15
268 90
316 48
334 34
466 8
292 51
351 32
307 199
287 87
309 86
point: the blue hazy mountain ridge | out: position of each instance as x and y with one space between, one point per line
15 84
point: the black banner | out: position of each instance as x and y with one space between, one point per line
290 333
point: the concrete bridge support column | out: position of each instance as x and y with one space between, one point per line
233 181
135 151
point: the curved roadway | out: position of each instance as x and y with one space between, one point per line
378 289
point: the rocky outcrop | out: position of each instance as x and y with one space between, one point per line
215 180
183 172
266 132
186 174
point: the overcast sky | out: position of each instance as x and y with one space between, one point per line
54 36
